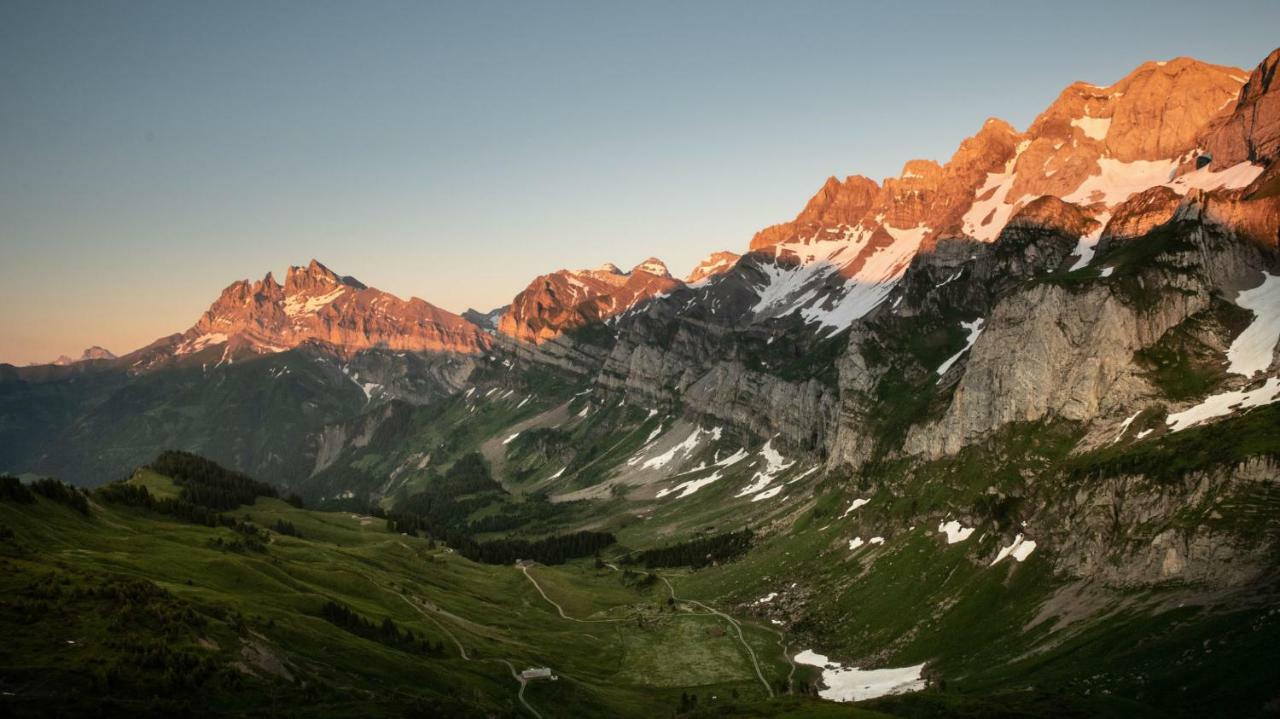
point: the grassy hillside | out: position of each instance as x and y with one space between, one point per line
123 605
155 607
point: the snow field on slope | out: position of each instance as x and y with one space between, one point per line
1223 404
850 684
1252 351
974 329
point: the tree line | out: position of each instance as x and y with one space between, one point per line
13 489
696 553
133 495
386 633
206 483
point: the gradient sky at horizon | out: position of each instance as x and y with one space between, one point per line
153 152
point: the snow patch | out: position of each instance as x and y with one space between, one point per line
1019 550
854 505
775 464
1223 404
802 475
1094 128
685 448
687 488
987 217
1239 175
196 344
1116 181
787 288
297 305
974 329
1253 350
954 531
1125 426
1088 243
850 684
654 434
769 493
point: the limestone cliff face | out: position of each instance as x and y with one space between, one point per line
1059 351
984 245
699 349
1120 531
1049 351
1251 133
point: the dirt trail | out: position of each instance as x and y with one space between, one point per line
426 608
523 683
755 664
738 627
525 568
462 651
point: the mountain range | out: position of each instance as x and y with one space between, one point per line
974 414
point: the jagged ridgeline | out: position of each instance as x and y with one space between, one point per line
1003 429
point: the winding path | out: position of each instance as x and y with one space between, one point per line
462 650
523 683
525 568
738 627
755 664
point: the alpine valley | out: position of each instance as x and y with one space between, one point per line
995 437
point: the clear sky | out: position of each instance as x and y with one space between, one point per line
152 153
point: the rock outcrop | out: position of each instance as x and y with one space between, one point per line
570 299
714 264
1251 133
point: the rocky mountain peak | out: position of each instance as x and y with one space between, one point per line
567 299
836 204
712 265
93 353
315 275
1092 150
318 305
1153 113
917 172
653 266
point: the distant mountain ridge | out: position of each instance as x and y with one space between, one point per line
93 353
768 340
846 249
314 305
